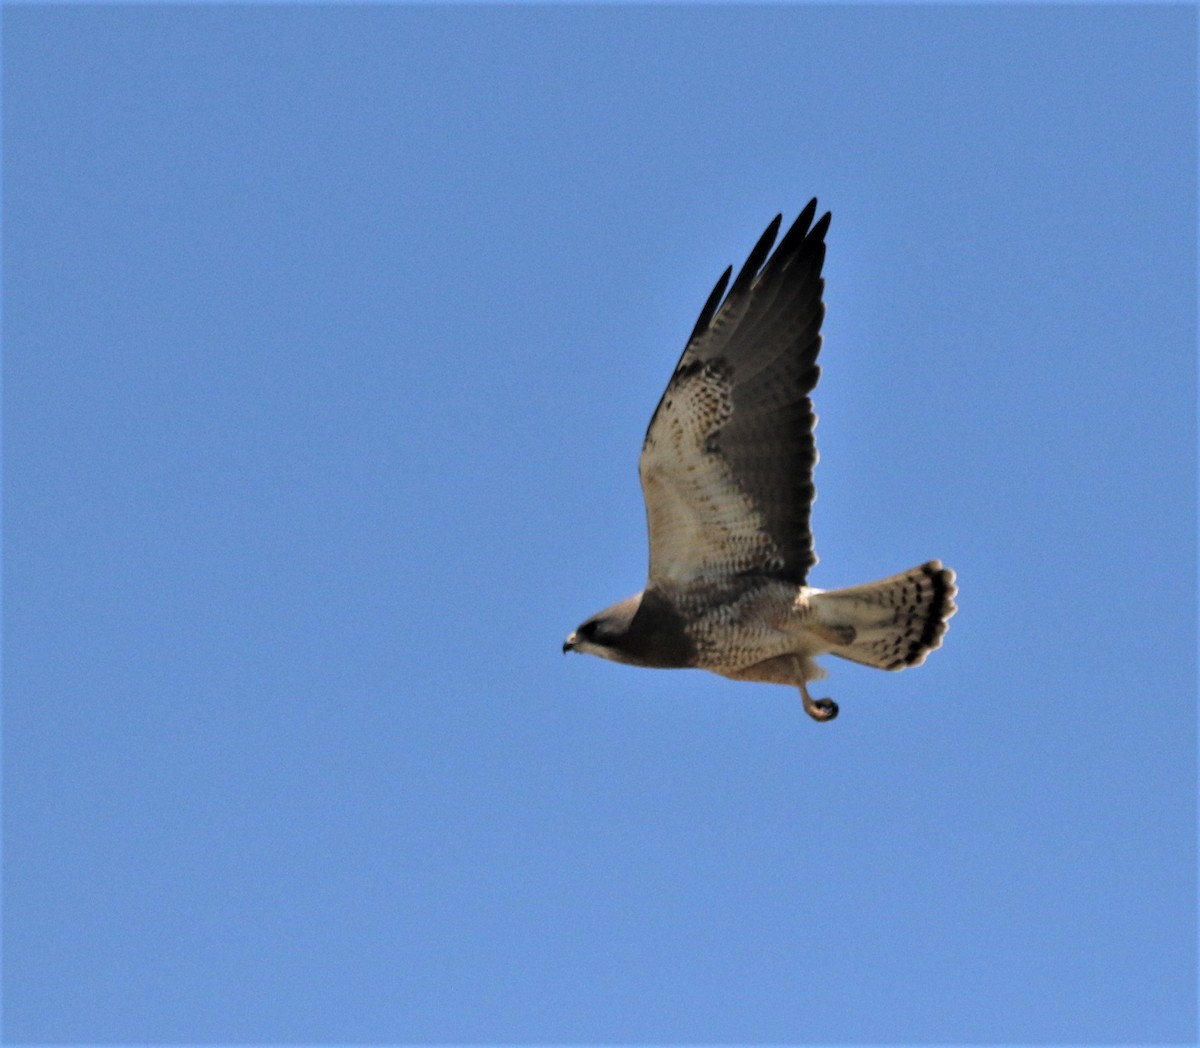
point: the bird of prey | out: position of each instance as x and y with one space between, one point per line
727 476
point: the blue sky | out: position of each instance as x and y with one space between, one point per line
330 336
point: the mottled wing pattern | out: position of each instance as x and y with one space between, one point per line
727 464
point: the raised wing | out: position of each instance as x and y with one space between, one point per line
727 464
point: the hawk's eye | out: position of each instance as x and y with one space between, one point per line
588 630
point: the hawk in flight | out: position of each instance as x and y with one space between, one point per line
727 475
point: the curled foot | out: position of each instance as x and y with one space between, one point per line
822 709
818 709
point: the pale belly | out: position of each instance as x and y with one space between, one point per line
748 629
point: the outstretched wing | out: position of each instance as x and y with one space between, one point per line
727 464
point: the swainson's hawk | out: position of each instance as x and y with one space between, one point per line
727 475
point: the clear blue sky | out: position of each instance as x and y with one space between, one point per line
330 337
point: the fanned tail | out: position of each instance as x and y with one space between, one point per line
893 623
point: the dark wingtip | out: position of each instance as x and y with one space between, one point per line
804 219
800 239
821 228
756 257
710 307
798 236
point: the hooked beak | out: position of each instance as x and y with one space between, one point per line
569 643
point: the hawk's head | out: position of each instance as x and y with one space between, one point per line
606 632
643 630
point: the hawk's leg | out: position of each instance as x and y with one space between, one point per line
817 709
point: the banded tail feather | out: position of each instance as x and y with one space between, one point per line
892 623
